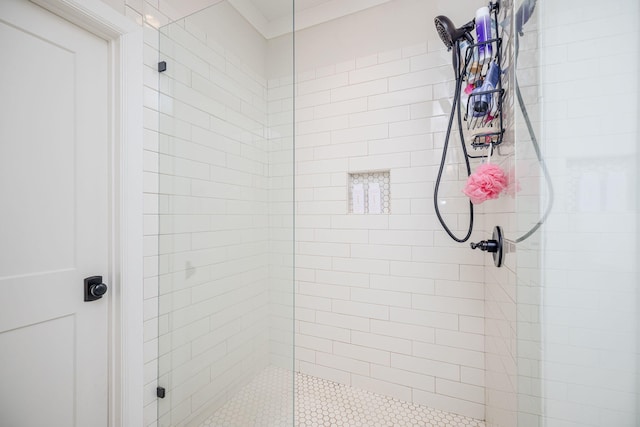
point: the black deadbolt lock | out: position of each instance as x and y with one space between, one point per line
94 288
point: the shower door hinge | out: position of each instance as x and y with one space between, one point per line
160 392
162 66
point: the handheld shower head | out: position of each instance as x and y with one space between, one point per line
443 27
448 32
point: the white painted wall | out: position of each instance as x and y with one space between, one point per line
146 14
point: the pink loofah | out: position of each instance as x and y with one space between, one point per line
487 182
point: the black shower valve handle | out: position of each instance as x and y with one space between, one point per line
486 245
494 246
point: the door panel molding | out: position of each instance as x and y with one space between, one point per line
125 40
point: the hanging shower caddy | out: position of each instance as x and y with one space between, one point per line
478 64
480 58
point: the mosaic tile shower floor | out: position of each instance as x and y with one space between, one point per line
266 402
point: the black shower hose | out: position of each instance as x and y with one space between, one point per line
456 103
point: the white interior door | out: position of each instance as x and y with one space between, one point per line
54 220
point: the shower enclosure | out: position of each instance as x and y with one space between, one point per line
384 306
225 222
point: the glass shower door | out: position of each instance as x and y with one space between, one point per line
225 223
577 293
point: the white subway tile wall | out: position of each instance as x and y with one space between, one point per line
224 196
146 13
380 304
194 171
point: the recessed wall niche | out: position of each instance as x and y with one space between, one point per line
369 192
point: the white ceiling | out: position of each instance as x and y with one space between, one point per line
274 9
272 18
